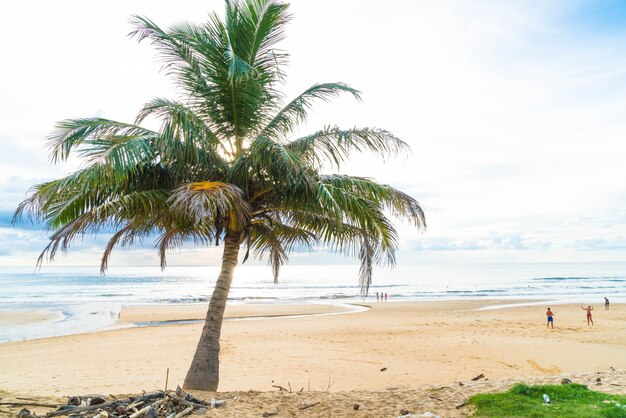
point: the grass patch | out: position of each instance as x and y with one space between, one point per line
571 400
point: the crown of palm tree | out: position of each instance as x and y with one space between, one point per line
225 159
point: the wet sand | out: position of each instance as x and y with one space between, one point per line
17 318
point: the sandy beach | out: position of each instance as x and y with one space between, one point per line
392 348
15 319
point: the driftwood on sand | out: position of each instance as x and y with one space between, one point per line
163 403
44 405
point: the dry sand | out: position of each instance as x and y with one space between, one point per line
425 347
444 400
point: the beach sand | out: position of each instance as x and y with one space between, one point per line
423 347
17 318
170 313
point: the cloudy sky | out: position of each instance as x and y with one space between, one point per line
515 112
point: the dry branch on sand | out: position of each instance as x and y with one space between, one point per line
170 404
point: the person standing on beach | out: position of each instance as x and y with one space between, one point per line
550 316
589 308
377 299
606 303
385 296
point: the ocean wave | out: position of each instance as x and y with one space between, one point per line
108 295
600 278
92 298
190 299
291 285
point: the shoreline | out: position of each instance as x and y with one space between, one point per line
169 312
127 316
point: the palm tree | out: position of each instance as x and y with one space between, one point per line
223 166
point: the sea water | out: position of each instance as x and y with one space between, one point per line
80 299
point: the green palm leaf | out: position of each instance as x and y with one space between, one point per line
333 145
93 133
296 111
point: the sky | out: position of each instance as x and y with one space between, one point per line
515 113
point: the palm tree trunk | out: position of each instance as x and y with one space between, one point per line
203 373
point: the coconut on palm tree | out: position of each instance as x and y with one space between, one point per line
224 166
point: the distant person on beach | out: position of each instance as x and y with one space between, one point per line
589 308
606 303
377 298
385 296
550 316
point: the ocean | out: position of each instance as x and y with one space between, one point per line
83 300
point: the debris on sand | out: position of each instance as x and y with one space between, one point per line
171 404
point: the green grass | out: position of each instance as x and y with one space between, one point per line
571 400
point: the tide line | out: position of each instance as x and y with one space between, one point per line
349 309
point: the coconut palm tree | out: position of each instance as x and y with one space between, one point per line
224 166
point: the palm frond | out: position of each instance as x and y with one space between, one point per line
267 19
101 135
212 201
184 135
274 240
125 236
266 161
398 203
361 230
176 235
296 111
175 51
333 145
96 188
266 243
121 153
